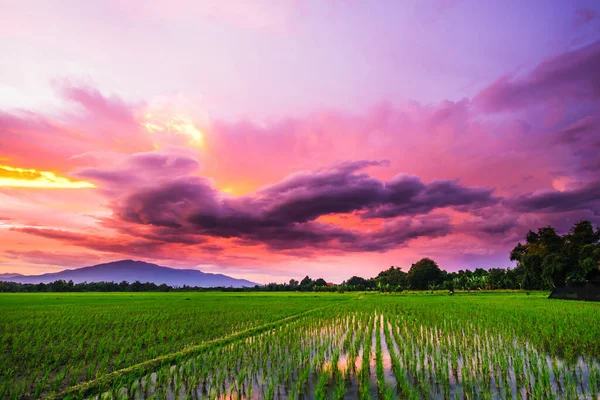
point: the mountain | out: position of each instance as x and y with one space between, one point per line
131 271
9 276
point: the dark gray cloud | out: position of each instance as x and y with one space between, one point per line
554 201
285 215
407 195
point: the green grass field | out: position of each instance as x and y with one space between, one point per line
230 345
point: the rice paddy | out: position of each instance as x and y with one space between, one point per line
282 346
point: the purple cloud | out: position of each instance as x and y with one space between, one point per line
573 74
140 169
554 201
285 215
407 195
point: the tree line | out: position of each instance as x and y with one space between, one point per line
546 260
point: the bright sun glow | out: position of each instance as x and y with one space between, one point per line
178 124
32 178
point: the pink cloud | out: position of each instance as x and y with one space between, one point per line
60 259
91 100
106 124
459 180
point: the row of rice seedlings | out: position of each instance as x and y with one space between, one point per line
244 368
364 374
49 349
311 364
385 391
341 352
443 357
129 377
320 356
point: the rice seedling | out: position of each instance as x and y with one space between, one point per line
348 346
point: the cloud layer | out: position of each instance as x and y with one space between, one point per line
286 215
457 180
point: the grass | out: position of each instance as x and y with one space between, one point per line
52 341
216 345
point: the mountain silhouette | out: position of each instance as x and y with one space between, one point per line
131 271
8 276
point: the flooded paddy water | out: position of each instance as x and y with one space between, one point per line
376 353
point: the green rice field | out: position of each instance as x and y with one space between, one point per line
292 346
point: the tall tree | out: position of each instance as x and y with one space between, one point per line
424 273
548 259
582 250
306 284
392 276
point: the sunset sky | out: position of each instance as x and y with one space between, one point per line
269 140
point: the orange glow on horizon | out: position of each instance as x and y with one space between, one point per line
33 178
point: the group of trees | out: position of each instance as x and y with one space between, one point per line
427 275
305 285
423 275
124 286
545 260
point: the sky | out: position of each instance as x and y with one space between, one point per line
270 140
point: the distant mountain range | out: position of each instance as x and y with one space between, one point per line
131 271
8 276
